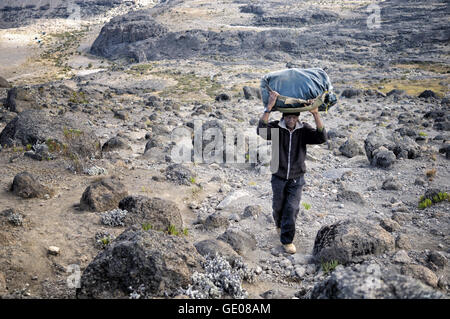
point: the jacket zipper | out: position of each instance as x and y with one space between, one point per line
289 155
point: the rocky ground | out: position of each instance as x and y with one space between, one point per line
94 103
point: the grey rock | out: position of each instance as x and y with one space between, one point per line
389 225
348 240
216 220
438 259
25 185
115 143
180 174
251 92
19 100
241 241
422 273
350 148
351 196
4 83
103 195
350 93
403 242
371 282
428 94
383 158
252 211
391 183
35 127
402 257
159 213
212 247
151 262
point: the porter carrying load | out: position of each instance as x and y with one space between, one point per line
300 90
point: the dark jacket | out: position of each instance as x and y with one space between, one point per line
292 145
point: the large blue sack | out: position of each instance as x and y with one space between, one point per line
297 83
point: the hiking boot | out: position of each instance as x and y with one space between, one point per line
290 248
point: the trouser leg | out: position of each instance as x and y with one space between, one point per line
279 196
290 209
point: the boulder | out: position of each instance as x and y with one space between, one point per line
241 241
61 134
252 211
180 174
351 196
350 148
371 282
348 241
251 92
427 94
216 220
25 185
350 93
157 212
383 158
149 263
212 247
103 195
4 83
19 100
391 183
421 273
115 143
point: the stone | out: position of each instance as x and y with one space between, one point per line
25 185
383 158
350 93
103 195
212 247
348 240
403 242
251 92
402 257
159 213
4 83
216 220
437 258
252 211
53 250
389 225
371 282
241 241
391 183
115 143
351 196
61 134
350 148
422 273
180 174
428 94
150 263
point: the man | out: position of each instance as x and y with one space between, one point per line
288 181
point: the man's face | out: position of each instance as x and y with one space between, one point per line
290 121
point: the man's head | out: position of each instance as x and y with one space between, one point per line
291 119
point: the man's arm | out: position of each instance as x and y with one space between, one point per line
317 119
272 100
264 127
319 135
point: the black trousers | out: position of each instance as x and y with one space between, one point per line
287 194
